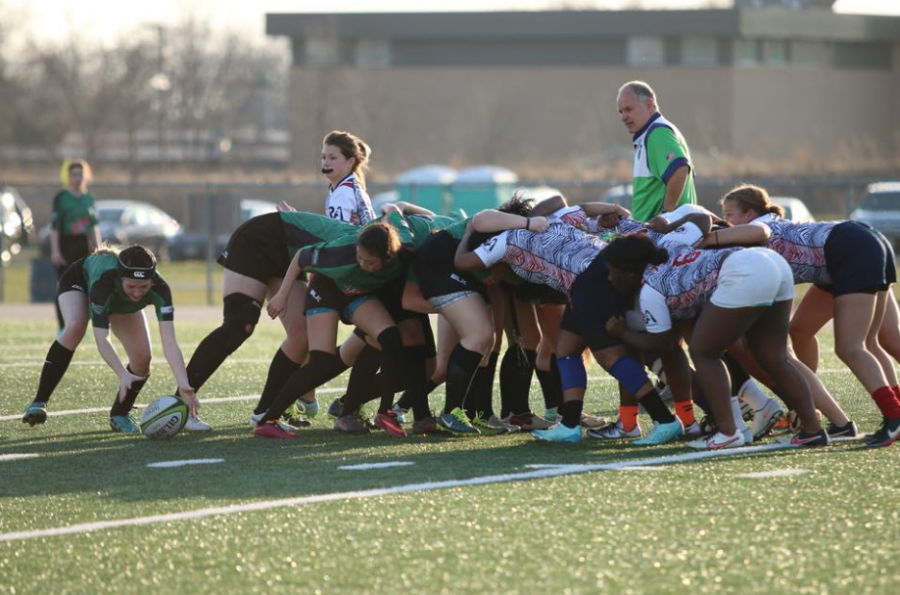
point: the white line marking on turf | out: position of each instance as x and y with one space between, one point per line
167 464
773 473
38 363
17 456
18 416
365 466
374 493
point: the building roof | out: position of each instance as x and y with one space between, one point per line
770 23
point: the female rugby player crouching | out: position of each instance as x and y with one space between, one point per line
113 289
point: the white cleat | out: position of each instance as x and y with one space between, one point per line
765 419
718 441
255 418
195 424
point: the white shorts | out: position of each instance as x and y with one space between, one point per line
753 278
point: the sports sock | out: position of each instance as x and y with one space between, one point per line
571 413
753 395
482 393
414 358
685 412
280 370
363 384
207 358
551 384
888 402
393 367
628 415
55 365
125 406
515 380
655 407
737 415
322 367
461 370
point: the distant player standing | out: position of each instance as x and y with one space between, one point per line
663 176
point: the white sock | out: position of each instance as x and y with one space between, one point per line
736 414
753 395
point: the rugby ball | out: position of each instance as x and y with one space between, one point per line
164 417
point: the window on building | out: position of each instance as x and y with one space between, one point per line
746 52
646 51
322 52
373 53
699 51
775 52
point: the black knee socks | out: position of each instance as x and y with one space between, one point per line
481 401
515 380
461 370
125 406
55 365
363 385
280 370
655 408
551 384
391 366
321 368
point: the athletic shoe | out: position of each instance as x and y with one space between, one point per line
294 417
426 425
195 424
528 421
388 422
124 423
35 414
352 423
457 423
803 439
693 431
593 422
784 424
886 435
336 408
615 431
848 430
255 418
272 429
707 427
309 410
551 414
400 412
491 426
748 435
746 408
559 433
662 433
718 441
765 419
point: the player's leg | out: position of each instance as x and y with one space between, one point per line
132 332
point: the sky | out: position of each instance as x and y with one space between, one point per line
105 20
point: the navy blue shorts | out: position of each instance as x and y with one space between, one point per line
859 260
593 301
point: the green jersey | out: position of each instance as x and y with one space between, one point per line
336 259
74 217
659 150
303 229
106 296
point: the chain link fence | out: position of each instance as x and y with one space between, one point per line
208 212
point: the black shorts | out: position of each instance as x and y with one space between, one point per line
258 249
539 295
435 270
593 301
859 260
323 295
73 279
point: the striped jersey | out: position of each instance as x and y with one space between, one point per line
802 245
348 201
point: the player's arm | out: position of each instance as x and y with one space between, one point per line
660 224
175 359
548 206
491 220
465 259
406 208
598 209
658 334
278 302
750 234
414 301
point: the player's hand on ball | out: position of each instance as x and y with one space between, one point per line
188 394
125 381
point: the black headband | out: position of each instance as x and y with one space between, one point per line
137 273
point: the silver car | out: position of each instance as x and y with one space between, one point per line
880 208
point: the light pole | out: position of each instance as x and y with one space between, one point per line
161 84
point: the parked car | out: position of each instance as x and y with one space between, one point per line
125 222
193 246
880 208
16 223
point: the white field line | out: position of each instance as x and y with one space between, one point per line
37 363
18 416
182 463
15 456
773 473
374 493
367 466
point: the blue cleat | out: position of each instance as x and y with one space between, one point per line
35 414
662 433
457 423
559 433
124 423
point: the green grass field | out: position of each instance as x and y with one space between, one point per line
689 527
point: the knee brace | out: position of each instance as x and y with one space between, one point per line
241 313
629 373
572 372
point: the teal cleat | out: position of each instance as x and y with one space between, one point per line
401 414
35 414
310 410
457 423
662 433
124 423
559 433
